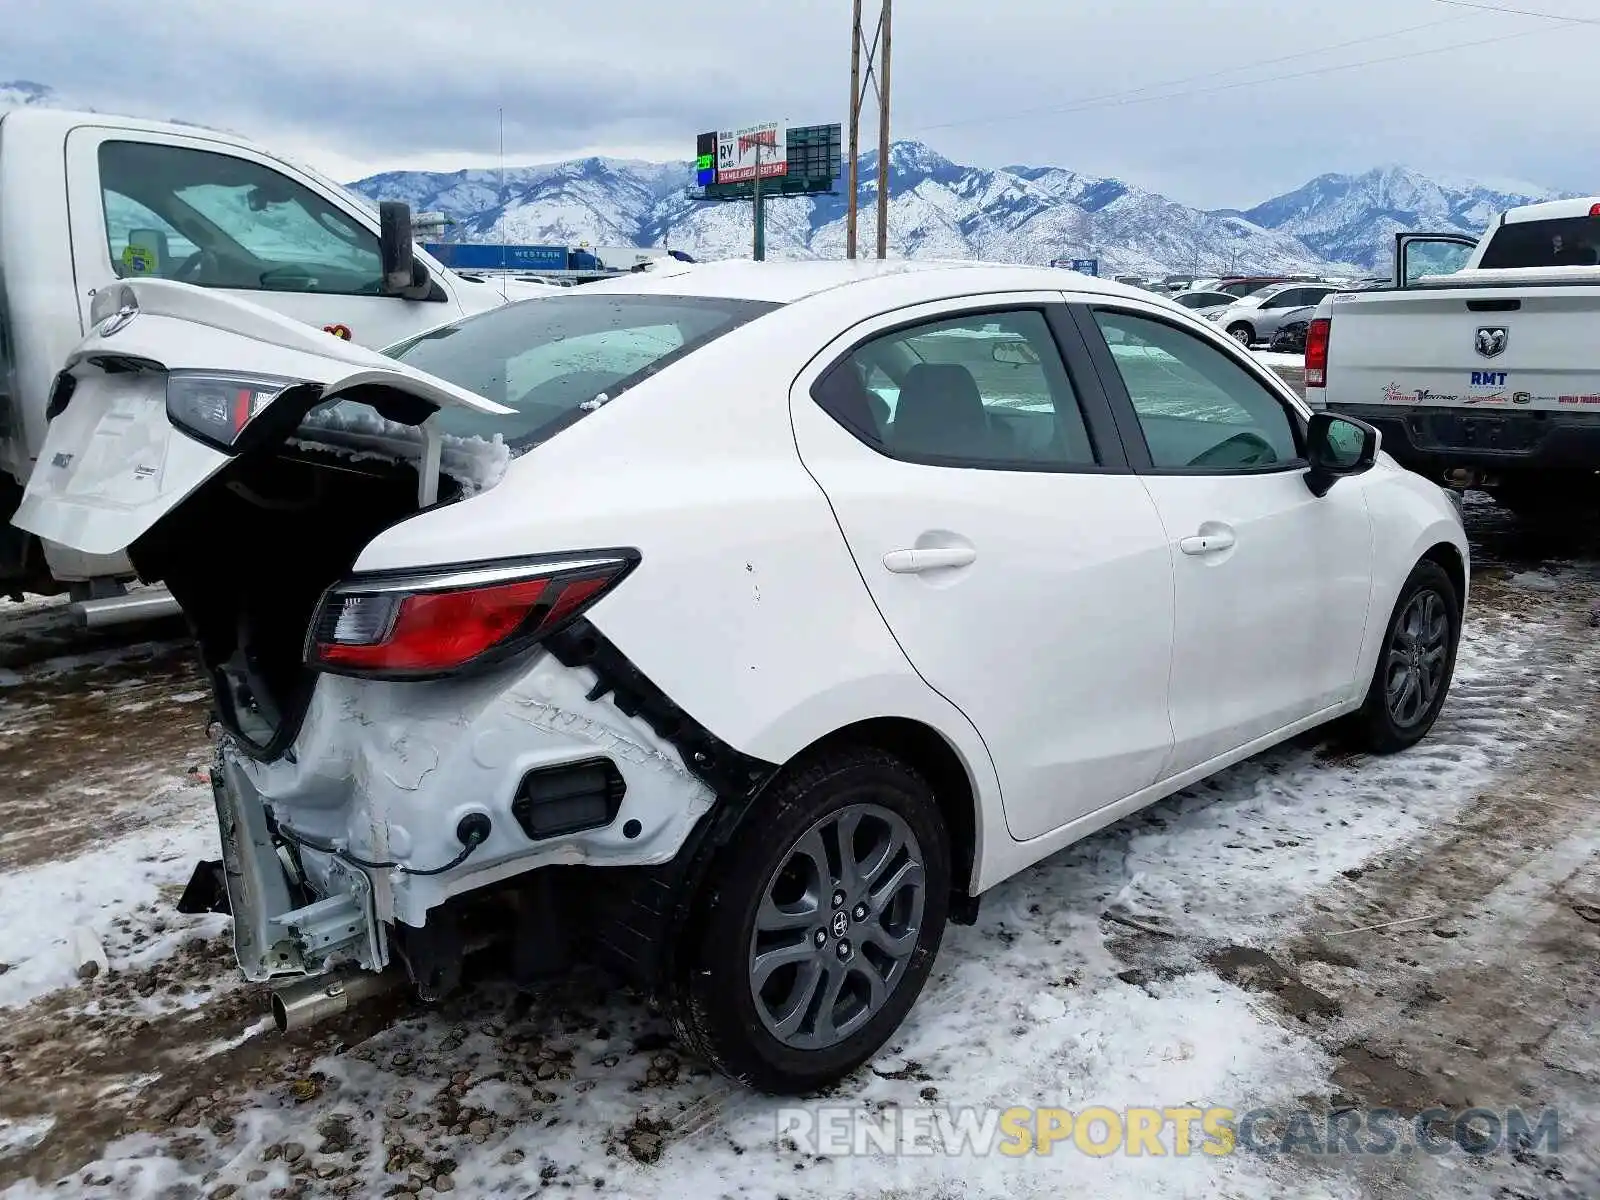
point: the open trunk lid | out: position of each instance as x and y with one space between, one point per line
114 462
1516 340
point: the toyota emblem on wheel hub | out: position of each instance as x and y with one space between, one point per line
841 923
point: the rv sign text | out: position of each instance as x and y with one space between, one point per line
740 151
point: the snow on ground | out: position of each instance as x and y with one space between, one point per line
496 1093
89 893
103 809
1273 359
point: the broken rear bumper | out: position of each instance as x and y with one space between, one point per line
280 927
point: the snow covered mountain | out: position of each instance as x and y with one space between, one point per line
938 209
1354 218
23 93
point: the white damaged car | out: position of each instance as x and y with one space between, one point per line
733 626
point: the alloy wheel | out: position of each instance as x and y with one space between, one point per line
838 922
1415 660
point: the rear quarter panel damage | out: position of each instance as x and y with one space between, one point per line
391 768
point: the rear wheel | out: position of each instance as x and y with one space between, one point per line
1242 333
1415 665
818 925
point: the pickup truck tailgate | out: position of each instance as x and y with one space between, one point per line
1528 348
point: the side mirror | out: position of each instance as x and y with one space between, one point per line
1338 446
403 275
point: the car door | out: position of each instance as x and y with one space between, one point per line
983 491
1272 582
220 216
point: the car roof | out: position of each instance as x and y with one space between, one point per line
59 121
787 282
1550 210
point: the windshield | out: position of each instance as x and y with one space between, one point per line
553 359
1568 242
1258 298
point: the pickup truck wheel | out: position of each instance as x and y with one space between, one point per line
1243 334
818 924
1415 664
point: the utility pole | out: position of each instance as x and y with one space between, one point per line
759 251
878 80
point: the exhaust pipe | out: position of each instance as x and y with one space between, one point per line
152 605
1463 477
299 1005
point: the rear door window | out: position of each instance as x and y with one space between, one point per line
1569 242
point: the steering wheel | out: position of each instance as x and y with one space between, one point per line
1260 451
188 267
290 274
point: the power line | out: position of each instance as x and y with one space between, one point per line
1520 12
1119 102
1265 62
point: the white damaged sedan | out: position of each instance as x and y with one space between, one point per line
734 626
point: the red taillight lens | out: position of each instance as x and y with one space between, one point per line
1594 210
424 626
1317 351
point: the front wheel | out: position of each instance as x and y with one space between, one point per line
1415 665
1242 334
818 924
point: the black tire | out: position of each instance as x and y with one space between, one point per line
714 1000
1375 727
1242 333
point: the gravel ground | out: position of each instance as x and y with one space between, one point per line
1311 928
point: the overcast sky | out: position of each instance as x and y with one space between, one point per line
1188 97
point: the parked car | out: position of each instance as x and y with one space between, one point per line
736 628
1204 302
1256 317
1291 335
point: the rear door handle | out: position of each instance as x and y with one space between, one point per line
1207 543
931 558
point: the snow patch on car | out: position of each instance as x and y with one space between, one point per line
358 433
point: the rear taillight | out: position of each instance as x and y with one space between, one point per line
216 406
428 624
1317 351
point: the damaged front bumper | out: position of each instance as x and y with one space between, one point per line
280 927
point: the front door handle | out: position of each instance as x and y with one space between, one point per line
1207 543
930 558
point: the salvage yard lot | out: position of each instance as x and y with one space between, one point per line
1312 929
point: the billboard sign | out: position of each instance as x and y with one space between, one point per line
705 161
741 152
812 163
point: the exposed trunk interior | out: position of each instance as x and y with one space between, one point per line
249 555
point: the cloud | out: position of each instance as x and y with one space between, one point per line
371 84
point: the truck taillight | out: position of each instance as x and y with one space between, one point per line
1317 351
429 624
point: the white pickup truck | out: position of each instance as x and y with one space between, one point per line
89 200
1483 376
